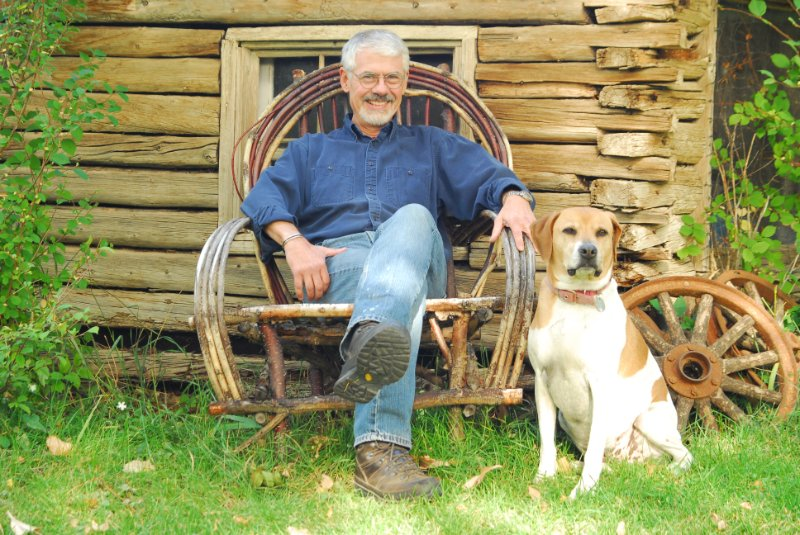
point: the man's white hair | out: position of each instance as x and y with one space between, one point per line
383 42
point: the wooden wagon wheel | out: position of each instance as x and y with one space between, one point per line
705 371
765 294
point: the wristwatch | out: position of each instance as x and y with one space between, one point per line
519 193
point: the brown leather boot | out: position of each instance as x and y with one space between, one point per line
388 471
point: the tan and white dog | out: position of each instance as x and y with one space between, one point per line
591 364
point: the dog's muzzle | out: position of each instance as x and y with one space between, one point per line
587 260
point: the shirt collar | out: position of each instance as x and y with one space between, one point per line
385 133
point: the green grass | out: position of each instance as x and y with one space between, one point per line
746 477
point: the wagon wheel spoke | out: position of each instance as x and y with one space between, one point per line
654 336
703 316
756 393
703 407
752 360
671 318
732 335
683 407
724 404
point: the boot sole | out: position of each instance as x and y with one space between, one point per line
381 361
434 490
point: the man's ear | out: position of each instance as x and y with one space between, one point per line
542 233
344 80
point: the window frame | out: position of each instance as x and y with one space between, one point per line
243 78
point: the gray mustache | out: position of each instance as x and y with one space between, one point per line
379 98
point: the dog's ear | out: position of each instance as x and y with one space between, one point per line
542 233
617 231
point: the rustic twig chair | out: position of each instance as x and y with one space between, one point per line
315 330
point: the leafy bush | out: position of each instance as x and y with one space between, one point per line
750 210
41 339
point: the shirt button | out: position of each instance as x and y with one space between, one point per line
410 171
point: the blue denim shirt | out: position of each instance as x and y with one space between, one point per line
343 182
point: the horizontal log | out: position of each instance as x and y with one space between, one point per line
424 400
344 11
147 151
605 3
556 182
586 161
696 15
634 13
145 41
643 237
586 73
146 75
633 145
684 104
688 63
151 228
535 90
646 195
153 114
145 188
631 273
573 121
572 43
160 311
690 141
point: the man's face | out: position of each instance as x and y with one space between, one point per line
373 107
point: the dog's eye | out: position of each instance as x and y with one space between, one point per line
570 230
602 232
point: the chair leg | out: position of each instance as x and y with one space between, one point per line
458 372
277 369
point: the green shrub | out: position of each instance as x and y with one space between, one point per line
751 211
41 122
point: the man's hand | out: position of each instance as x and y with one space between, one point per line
309 270
517 215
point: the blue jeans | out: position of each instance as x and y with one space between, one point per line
388 273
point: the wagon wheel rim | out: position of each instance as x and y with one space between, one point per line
704 373
765 294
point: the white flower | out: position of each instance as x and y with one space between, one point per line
122 405
32 387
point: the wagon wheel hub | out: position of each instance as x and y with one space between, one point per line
692 370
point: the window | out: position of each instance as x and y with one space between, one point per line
257 64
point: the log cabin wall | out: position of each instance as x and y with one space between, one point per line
606 103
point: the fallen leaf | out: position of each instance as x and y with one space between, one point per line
57 446
747 505
426 461
18 527
297 531
461 508
325 484
329 514
94 526
137 466
476 480
721 524
621 528
9 483
534 493
564 465
241 520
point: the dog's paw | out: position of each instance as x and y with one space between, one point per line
581 488
543 474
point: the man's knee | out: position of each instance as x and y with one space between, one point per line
415 214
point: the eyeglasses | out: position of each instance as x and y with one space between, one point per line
393 80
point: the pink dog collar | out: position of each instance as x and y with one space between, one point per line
581 297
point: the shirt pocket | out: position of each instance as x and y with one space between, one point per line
407 185
333 184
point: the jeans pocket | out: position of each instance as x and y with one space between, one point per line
333 184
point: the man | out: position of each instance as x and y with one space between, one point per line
356 211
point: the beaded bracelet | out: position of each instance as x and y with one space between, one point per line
290 238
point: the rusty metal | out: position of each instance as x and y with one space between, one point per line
692 365
692 370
